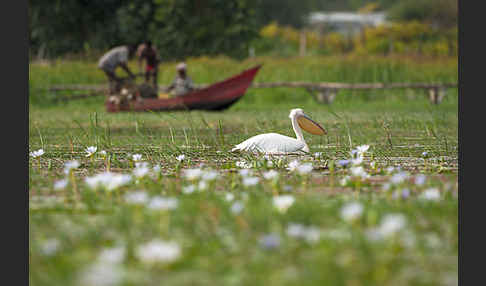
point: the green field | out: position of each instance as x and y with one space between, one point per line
393 222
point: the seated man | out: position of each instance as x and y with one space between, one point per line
117 56
182 84
147 52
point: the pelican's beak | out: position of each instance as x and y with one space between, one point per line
310 125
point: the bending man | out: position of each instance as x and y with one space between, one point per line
114 58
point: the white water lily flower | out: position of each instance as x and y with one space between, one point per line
157 168
359 172
432 240
237 207
90 150
141 171
399 177
193 174
209 175
362 149
282 203
344 180
161 203
38 153
420 179
304 168
292 166
432 194
112 255
136 157
268 160
188 189
102 153
243 164
61 184
136 198
101 274
107 180
141 165
181 158
311 234
70 165
245 172
158 251
295 230
270 175
287 188
50 246
404 193
270 241
351 211
318 154
390 225
203 185
229 197
386 186
373 164
343 163
250 181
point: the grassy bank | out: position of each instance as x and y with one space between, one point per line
312 69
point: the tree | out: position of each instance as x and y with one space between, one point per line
438 13
204 27
179 28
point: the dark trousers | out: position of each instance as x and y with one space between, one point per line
113 81
152 73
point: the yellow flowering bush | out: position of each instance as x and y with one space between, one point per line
270 31
393 38
408 37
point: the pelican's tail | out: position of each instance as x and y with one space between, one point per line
245 146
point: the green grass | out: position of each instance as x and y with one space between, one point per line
311 69
219 247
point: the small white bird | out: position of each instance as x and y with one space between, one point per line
276 143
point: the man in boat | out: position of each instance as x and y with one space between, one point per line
116 57
147 52
182 84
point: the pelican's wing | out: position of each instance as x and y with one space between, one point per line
270 143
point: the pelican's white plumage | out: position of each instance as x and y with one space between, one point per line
271 143
277 143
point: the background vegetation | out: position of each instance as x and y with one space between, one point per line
218 27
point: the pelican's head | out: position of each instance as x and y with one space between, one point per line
306 123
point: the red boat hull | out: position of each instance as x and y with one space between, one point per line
218 96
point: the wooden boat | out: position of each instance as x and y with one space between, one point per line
217 96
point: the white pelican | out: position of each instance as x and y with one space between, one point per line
276 143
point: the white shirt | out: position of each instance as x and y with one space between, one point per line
182 85
113 58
